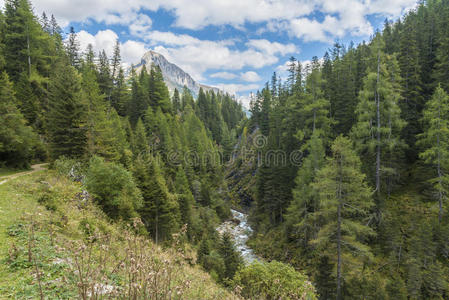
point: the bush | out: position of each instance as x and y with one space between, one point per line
68 167
113 188
274 280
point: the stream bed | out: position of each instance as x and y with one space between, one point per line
240 232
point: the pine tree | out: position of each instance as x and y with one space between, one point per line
16 138
139 101
120 95
231 257
314 108
441 70
185 200
377 133
72 49
413 103
104 75
24 40
140 146
187 98
435 140
345 203
176 102
45 23
55 29
160 211
299 222
66 122
116 60
158 92
29 103
265 111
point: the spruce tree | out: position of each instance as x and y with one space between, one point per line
313 107
300 225
413 103
73 49
140 146
232 259
160 210
158 92
185 200
345 203
67 117
176 101
104 75
24 40
435 143
16 138
377 132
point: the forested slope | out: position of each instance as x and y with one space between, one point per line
136 171
365 211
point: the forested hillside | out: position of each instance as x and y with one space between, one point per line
119 142
365 213
342 167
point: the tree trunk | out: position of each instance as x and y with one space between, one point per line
378 128
440 175
339 195
28 52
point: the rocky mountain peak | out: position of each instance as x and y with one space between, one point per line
174 76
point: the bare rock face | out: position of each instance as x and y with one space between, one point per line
174 76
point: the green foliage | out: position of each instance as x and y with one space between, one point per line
113 188
231 258
160 209
273 280
66 121
345 203
16 138
435 143
377 132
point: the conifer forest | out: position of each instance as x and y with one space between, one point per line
332 182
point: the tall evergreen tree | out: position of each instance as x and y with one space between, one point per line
160 211
16 138
73 49
104 75
435 141
300 225
377 133
231 257
66 121
176 101
345 203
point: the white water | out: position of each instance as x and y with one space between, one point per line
240 234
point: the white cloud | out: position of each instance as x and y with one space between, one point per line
272 48
196 56
131 51
250 76
223 75
233 88
293 16
141 25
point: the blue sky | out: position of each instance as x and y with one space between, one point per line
232 44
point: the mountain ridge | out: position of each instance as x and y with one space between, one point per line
174 76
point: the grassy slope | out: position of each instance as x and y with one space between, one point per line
7 171
54 229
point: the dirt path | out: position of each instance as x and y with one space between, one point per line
34 168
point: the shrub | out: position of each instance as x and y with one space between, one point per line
274 280
68 167
113 188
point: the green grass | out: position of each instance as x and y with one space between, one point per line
59 217
8 171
